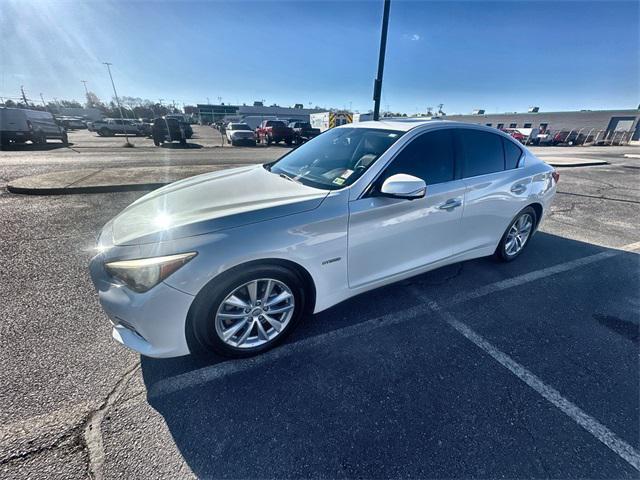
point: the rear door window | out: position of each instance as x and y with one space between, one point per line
482 152
429 156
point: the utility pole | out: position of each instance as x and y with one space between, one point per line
86 91
126 135
377 86
24 97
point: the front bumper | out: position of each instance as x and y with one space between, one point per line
151 323
246 140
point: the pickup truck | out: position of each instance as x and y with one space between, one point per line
109 127
274 131
303 131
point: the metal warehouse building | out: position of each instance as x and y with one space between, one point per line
607 122
213 113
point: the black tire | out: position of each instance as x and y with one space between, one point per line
183 141
104 132
268 140
65 139
288 141
201 334
501 252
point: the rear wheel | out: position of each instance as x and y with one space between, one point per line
104 132
267 140
517 236
246 312
65 139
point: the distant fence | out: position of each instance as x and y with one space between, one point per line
582 136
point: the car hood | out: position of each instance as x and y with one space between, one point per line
212 202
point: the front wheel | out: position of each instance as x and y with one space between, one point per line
246 312
517 236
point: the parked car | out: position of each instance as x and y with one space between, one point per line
19 125
146 126
168 130
109 127
274 131
303 131
239 133
517 134
231 261
72 123
570 138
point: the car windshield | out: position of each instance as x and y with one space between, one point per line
274 123
240 126
336 158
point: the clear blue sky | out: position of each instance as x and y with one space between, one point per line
500 56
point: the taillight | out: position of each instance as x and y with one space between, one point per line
556 176
29 125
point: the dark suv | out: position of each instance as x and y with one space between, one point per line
168 130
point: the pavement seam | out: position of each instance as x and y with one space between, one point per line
599 197
84 178
92 434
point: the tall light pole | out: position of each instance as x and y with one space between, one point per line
377 85
86 91
126 135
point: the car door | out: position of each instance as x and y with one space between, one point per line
389 236
497 188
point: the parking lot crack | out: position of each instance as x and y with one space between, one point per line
92 434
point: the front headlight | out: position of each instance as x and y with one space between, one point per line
143 274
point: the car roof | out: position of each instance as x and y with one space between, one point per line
404 125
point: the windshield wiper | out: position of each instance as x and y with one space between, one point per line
284 175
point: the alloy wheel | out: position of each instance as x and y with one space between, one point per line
518 234
254 313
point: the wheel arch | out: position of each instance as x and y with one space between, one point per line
538 208
309 287
302 272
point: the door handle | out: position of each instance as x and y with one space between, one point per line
518 188
450 204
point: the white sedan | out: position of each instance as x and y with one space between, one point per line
231 261
239 133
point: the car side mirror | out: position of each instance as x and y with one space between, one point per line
404 186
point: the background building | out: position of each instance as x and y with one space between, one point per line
607 121
231 113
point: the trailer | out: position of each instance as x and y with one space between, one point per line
326 120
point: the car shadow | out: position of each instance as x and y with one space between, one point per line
178 146
34 147
203 417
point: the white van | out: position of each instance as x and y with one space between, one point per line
18 125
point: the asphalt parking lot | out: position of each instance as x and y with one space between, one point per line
482 369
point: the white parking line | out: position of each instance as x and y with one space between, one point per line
207 374
590 424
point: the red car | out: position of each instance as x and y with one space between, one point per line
517 134
274 131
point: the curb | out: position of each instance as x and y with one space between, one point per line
88 189
577 164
